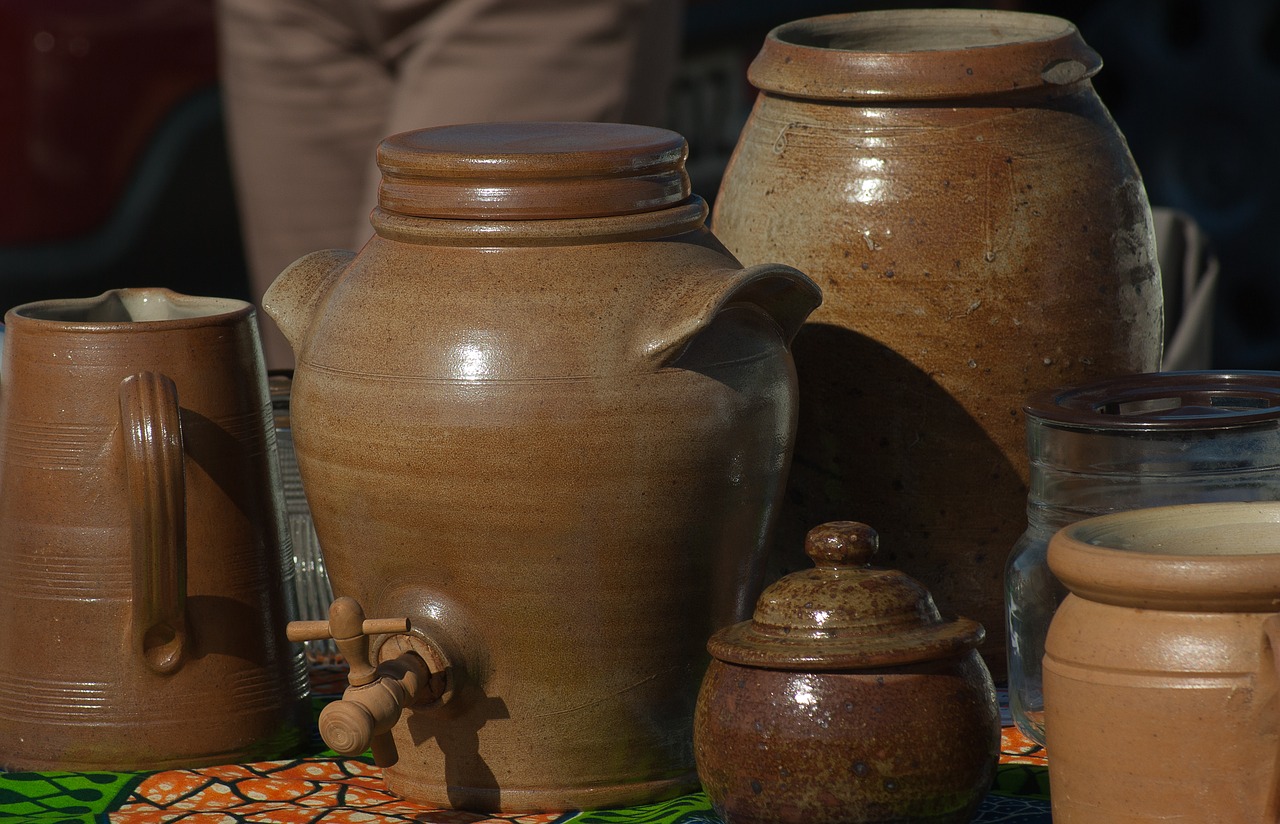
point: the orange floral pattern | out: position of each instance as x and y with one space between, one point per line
312 791
1016 748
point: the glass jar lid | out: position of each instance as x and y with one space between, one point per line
843 614
1164 400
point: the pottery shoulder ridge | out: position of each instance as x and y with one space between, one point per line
543 312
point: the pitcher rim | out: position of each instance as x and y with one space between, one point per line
218 309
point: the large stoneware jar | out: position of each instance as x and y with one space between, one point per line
546 417
976 222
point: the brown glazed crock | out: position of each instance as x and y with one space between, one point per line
951 180
544 416
1162 697
147 573
847 699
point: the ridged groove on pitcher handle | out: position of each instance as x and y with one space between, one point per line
785 294
155 474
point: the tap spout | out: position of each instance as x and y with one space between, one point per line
365 715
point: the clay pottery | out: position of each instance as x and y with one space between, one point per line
1131 442
955 186
147 576
545 417
847 699
1160 673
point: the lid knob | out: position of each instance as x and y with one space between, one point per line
842 543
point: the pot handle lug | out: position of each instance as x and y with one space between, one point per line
153 459
296 294
377 694
785 294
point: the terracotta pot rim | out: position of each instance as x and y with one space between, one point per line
921 54
1134 402
1217 557
72 314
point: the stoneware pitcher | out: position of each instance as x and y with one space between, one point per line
546 418
143 599
1162 697
952 181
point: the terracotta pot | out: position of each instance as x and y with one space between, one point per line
847 699
980 231
147 573
544 416
1160 673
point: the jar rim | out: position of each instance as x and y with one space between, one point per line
1200 557
1190 400
921 54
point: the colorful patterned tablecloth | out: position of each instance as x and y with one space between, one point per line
326 789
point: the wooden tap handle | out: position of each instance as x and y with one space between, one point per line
346 624
300 631
348 627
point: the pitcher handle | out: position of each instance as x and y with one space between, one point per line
154 468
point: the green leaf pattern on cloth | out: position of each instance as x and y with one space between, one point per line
61 797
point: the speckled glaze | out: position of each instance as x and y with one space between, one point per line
547 418
1167 647
146 575
847 699
955 186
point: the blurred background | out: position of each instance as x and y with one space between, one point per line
114 170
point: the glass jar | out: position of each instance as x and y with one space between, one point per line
1128 443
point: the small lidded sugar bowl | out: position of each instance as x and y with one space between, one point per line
846 699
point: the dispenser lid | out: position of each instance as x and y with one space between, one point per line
843 614
1164 400
532 171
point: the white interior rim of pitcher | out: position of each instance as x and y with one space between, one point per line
131 306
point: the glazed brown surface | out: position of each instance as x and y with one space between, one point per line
846 699
980 232
147 568
557 446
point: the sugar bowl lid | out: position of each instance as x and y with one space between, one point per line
844 614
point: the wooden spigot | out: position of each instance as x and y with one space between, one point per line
376 695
